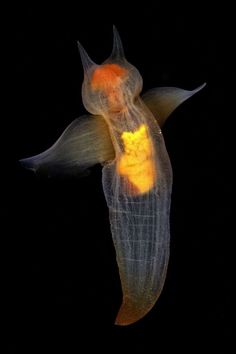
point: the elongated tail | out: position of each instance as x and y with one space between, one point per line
142 262
140 231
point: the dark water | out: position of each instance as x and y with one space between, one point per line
61 285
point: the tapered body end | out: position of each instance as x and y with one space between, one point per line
133 310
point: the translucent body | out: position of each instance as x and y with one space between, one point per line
137 184
125 136
140 224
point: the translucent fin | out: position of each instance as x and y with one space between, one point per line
162 101
84 143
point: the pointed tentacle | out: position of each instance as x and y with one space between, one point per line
117 50
85 59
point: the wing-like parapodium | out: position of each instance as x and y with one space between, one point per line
162 101
84 143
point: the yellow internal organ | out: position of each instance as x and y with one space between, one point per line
137 161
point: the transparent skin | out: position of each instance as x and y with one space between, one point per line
137 185
124 135
140 226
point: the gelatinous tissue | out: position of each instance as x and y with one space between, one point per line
123 133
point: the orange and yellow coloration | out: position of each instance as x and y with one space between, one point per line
137 161
123 135
107 76
107 79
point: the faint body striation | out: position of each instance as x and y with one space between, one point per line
124 134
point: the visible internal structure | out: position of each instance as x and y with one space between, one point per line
107 79
123 134
137 161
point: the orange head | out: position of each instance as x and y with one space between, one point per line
109 87
107 75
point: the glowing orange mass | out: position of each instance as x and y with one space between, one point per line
107 75
137 161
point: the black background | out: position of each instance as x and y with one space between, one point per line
62 284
